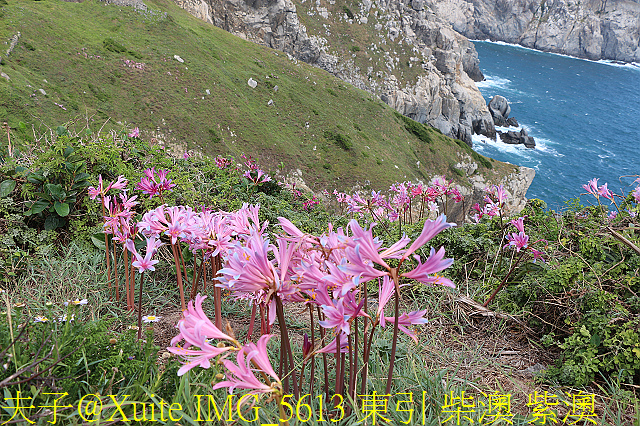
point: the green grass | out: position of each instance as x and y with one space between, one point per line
78 53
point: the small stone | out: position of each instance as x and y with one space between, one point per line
178 58
43 92
252 83
2 74
208 92
270 102
276 88
533 370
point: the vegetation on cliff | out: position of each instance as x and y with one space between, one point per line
565 285
95 65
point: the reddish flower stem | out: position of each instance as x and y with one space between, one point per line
504 280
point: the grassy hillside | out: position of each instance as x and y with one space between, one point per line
98 63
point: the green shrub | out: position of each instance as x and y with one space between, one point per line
418 129
347 11
343 141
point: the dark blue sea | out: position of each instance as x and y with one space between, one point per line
584 116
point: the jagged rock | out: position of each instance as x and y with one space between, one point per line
511 137
516 138
498 105
485 126
443 96
511 121
13 42
592 29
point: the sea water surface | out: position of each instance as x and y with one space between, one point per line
584 116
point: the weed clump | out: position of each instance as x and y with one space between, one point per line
418 129
343 141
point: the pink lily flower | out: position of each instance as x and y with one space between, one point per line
592 187
430 229
144 263
604 192
385 291
405 320
197 358
242 376
519 224
134 133
336 317
434 263
331 347
196 321
519 240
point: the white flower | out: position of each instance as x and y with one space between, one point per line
64 318
76 302
150 318
40 319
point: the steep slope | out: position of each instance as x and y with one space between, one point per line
400 52
185 83
592 29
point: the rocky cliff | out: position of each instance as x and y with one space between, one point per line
398 50
592 29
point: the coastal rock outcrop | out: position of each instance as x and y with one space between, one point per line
521 137
515 184
500 110
591 29
398 50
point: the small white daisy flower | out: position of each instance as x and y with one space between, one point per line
76 302
40 319
64 318
150 318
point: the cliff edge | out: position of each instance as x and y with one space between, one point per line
400 51
591 29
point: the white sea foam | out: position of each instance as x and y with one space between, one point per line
480 144
543 146
491 81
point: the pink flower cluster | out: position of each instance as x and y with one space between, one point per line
197 332
520 240
402 196
84 53
222 162
153 185
602 191
495 200
133 64
328 270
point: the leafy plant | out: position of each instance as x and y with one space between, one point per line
56 189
